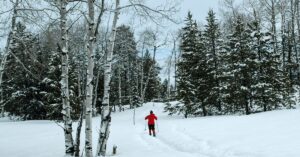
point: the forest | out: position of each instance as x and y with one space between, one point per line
72 60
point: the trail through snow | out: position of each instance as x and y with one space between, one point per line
271 134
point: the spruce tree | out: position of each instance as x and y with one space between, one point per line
186 65
240 68
164 90
267 76
151 70
202 79
126 67
22 94
213 44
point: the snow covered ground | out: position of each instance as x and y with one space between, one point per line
271 134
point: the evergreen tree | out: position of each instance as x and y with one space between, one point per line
154 81
32 79
164 90
22 94
186 65
126 67
240 68
51 87
212 41
267 76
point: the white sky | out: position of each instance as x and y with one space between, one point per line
199 9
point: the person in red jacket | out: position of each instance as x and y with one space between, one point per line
151 122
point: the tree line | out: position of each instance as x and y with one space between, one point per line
37 95
241 64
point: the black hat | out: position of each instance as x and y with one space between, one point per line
151 112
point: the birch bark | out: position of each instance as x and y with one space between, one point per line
7 49
89 84
66 109
120 88
79 126
105 114
142 73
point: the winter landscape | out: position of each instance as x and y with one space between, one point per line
270 134
159 78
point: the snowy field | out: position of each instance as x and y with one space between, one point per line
271 134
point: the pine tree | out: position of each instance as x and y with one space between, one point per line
22 95
267 75
50 84
186 65
164 89
240 68
154 82
51 87
126 67
213 44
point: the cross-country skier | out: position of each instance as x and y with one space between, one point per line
151 122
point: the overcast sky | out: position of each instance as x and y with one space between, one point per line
199 9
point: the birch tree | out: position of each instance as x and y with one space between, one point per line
89 86
105 114
106 111
91 40
271 12
7 47
63 47
152 36
66 110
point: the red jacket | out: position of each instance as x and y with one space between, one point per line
151 119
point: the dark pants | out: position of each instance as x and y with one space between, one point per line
151 128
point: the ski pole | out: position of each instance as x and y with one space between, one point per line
145 125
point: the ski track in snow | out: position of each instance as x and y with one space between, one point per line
177 141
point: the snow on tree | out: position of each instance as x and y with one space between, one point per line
22 94
241 66
125 68
106 109
213 43
186 64
151 81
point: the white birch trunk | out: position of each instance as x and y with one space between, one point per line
96 95
169 71
293 6
274 29
175 72
128 82
105 114
89 85
66 109
120 88
283 25
136 94
142 74
298 18
297 9
7 49
149 74
80 121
